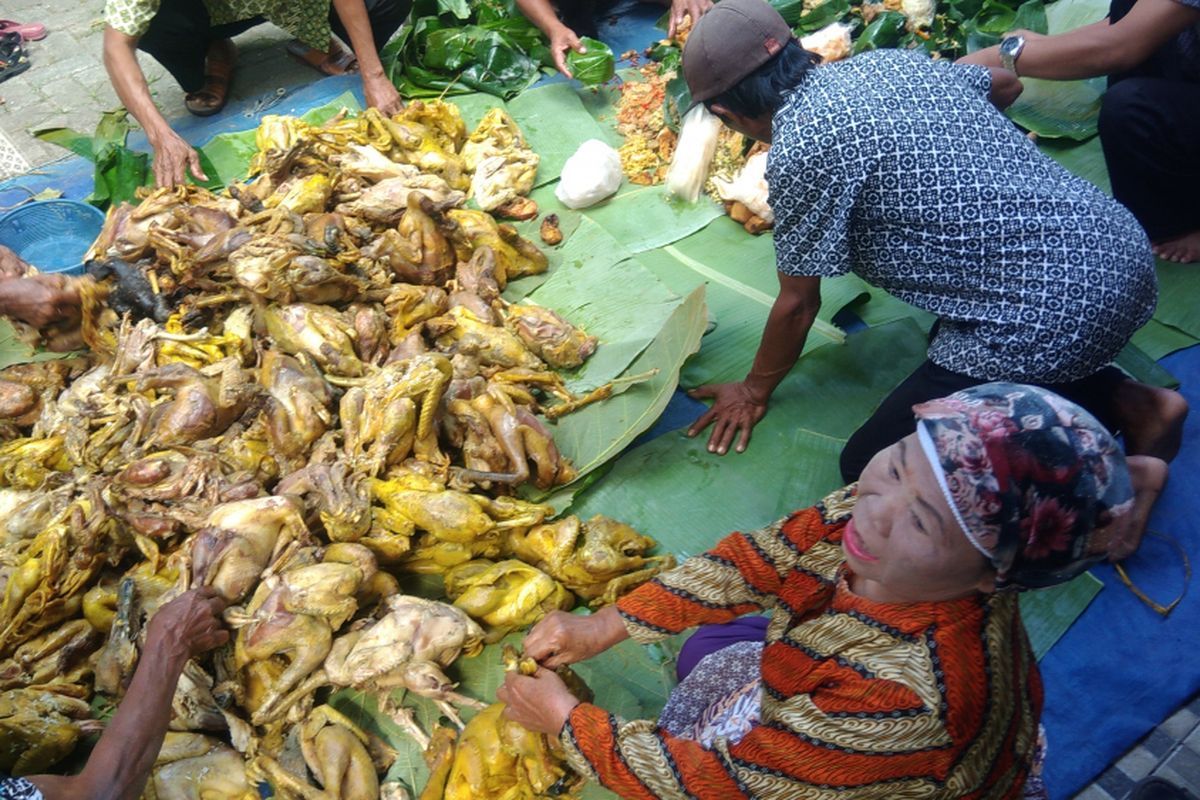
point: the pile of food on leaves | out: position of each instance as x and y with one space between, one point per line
296 392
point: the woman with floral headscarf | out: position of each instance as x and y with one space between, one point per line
895 663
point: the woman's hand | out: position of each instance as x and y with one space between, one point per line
563 39
686 8
735 411
188 625
39 300
174 158
561 638
381 93
540 702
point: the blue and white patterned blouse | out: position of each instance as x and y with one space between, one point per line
898 168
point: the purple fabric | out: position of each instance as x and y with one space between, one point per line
711 638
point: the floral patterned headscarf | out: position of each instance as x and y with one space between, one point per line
1029 476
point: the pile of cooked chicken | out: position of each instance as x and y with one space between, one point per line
298 392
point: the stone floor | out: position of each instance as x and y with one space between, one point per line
67 86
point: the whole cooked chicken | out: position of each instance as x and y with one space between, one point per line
240 539
598 560
191 766
39 728
335 752
556 341
299 405
319 331
408 647
505 596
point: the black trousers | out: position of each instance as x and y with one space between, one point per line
1150 131
894 418
180 33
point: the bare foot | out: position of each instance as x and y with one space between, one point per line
1182 249
1149 476
1151 419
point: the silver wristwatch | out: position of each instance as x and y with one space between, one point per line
1010 51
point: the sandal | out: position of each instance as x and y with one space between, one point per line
218 76
1158 789
13 60
30 32
337 61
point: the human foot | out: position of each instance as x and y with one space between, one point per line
1148 476
1151 419
218 75
335 61
1182 249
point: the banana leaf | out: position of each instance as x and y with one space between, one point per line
16 351
1141 367
598 433
647 217
595 66
884 31
119 172
792 458
1178 288
1157 339
555 123
739 272
633 311
1063 109
1048 613
818 17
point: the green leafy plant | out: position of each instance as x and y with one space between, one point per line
452 47
594 67
119 170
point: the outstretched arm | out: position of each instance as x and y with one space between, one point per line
380 92
173 157
562 38
120 765
1099 48
737 407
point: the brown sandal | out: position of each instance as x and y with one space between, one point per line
218 77
337 61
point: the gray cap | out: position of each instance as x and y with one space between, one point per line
732 40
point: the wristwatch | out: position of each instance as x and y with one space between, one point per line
1010 51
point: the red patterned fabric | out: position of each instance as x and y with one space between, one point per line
861 699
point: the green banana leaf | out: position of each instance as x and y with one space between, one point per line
15 351
1063 109
1157 339
555 123
119 172
884 31
647 217
598 433
673 489
1048 613
622 304
1141 367
595 66
739 272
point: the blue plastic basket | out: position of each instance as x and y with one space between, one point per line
52 235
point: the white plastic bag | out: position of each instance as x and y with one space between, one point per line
693 153
589 176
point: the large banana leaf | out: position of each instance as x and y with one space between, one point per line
1063 109
599 432
623 304
1048 613
555 123
739 272
1157 339
687 498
